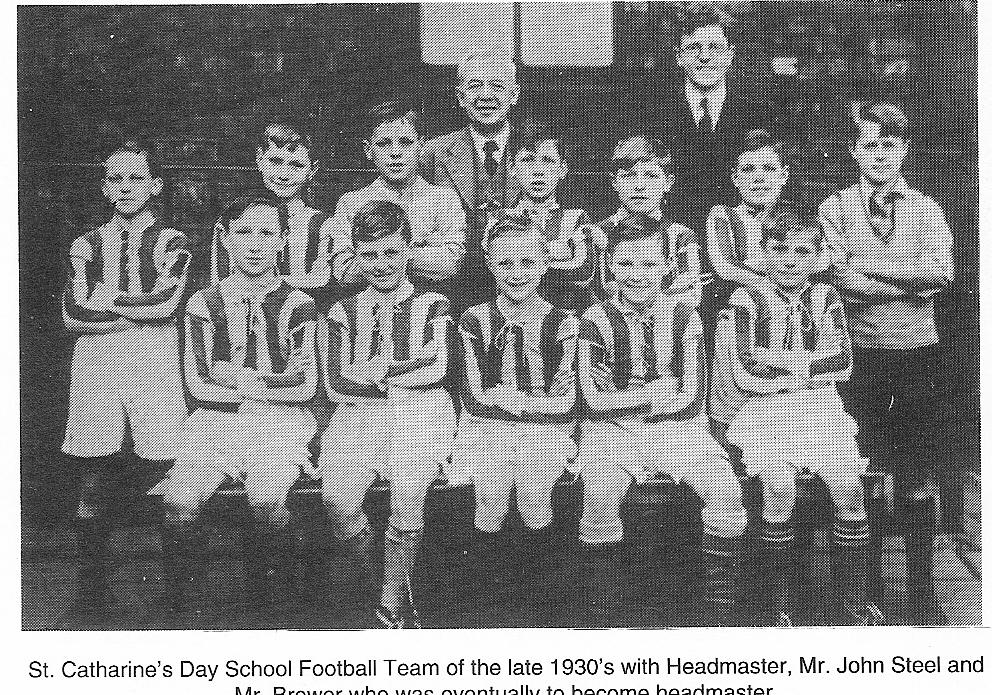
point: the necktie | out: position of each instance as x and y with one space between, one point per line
489 148
881 219
123 279
650 353
706 122
251 346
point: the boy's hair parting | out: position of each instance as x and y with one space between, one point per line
697 16
891 120
244 202
379 219
786 219
486 57
633 227
512 224
639 148
137 145
530 135
759 139
288 132
387 112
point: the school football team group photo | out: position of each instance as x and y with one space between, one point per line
648 365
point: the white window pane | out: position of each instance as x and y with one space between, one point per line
567 33
451 30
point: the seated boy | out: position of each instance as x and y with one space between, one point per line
385 356
642 177
537 161
788 347
251 364
890 256
518 397
437 221
642 371
287 165
128 280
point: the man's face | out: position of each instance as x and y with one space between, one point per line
488 91
641 269
642 187
254 240
383 262
128 184
879 158
393 150
792 261
285 170
539 171
705 56
760 176
518 262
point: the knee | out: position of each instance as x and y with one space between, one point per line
408 509
490 511
779 491
849 501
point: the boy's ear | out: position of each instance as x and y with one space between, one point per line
156 185
368 149
259 153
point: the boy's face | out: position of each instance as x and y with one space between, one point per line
642 187
285 170
792 261
539 171
254 240
488 91
641 269
705 56
393 150
383 262
128 184
760 176
518 262
879 158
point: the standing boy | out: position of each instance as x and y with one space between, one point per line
437 221
474 162
891 254
251 364
788 345
642 371
385 356
285 160
538 162
518 398
128 279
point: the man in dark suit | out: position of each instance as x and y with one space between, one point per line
473 161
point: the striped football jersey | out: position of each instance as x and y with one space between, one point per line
408 329
124 274
533 354
631 351
272 333
734 244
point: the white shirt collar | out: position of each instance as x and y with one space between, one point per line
238 289
136 225
414 190
716 97
499 138
534 306
397 296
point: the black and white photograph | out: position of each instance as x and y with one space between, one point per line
499 315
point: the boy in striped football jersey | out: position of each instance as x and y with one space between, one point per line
642 371
788 344
385 358
128 278
437 220
518 398
286 162
642 177
250 363
538 161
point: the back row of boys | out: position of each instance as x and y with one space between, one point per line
252 359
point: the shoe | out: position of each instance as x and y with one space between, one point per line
868 614
784 620
405 620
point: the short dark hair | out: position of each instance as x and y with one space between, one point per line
759 139
788 219
891 120
288 132
140 146
379 219
512 224
530 135
639 148
633 227
242 203
698 16
387 112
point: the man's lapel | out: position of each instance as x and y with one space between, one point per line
459 162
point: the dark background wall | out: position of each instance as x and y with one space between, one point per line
201 80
